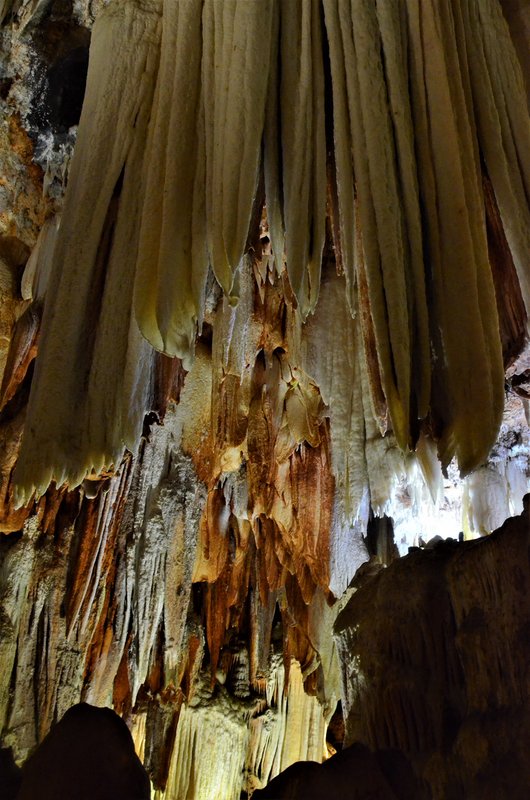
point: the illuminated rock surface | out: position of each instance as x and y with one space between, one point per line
333 304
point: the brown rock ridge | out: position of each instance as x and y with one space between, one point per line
435 655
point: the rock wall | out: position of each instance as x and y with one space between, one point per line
435 660
190 578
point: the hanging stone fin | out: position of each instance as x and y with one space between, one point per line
303 147
235 77
172 258
63 439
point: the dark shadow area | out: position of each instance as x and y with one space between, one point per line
88 755
61 50
356 773
10 775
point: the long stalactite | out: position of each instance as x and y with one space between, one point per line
408 119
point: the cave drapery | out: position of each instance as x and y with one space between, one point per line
266 316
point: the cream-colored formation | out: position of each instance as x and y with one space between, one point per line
286 195
502 120
196 114
172 257
243 748
300 128
92 381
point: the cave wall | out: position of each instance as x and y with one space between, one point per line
435 653
191 584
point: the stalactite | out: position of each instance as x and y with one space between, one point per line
84 428
279 298
383 105
172 257
302 148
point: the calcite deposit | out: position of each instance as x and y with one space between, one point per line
264 287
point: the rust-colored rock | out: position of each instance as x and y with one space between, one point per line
191 581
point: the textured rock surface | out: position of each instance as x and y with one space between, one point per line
190 583
353 774
435 653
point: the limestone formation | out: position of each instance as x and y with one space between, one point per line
263 327
435 652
